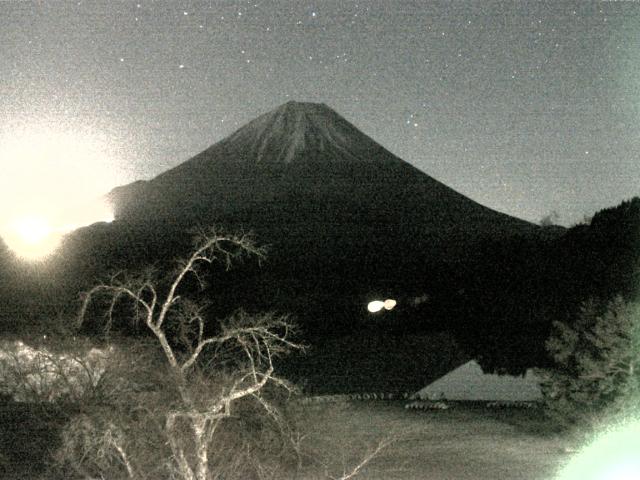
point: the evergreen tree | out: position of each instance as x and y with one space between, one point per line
597 365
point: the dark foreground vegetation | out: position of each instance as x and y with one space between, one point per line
466 442
196 389
496 303
186 399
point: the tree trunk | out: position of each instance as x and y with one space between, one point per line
178 452
202 450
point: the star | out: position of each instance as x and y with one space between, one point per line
467 73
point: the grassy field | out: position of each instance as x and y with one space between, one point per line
464 442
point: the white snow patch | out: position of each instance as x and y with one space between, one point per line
281 135
469 382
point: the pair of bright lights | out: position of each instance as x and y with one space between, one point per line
378 305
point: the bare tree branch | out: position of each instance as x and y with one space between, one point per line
259 337
355 471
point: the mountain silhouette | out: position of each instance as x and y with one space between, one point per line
305 172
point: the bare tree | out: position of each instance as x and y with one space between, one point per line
255 341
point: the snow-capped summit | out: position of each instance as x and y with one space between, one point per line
295 131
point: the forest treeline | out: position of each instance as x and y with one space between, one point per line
518 288
498 301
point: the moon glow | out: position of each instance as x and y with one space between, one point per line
52 183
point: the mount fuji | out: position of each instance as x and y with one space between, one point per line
304 178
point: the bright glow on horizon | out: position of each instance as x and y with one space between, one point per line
33 237
613 456
52 183
32 230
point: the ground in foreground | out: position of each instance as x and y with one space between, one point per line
465 442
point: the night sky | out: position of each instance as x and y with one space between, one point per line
525 107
